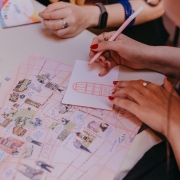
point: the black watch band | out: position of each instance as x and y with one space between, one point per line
103 16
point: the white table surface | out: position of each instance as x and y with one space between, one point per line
17 43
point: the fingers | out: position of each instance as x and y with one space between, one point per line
125 104
53 24
62 33
169 88
55 6
54 15
131 93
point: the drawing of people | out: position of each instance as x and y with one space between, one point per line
64 121
82 136
43 165
96 126
65 108
31 173
79 145
29 139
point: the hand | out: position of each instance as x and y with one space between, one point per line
77 17
123 51
158 107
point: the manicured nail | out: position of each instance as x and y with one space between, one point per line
115 82
110 98
106 64
167 79
94 46
100 59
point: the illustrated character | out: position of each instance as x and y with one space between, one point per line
79 145
38 122
22 96
65 108
42 78
14 97
96 126
31 173
19 131
82 136
45 166
64 121
29 139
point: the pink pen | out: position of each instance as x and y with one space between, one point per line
116 34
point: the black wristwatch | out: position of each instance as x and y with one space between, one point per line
103 16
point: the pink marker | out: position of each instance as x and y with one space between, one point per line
116 34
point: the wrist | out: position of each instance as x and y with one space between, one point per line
92 15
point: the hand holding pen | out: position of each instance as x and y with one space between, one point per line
117 33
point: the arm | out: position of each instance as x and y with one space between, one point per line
155 106
82 17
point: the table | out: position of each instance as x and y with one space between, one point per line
17 43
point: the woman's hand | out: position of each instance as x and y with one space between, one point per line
77 17
158 107
123 51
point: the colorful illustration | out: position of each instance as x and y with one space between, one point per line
96 126
17 12
14 97
10 145
43 139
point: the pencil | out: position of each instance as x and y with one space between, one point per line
118 32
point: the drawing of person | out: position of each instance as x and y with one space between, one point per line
104 126
64 121
96 126
19 131
43 165
29 139
79 145
82 136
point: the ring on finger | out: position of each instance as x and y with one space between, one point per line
65 24
104 36
145 83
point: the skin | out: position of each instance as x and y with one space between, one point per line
82 17
156 106
128 52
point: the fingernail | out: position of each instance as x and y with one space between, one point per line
94 46
100 59
115 82
110 98
167 79
106 64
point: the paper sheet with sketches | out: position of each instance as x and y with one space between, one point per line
87 88
43 139
17 12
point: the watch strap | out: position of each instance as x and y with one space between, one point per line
102 17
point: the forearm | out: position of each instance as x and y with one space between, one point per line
165 60
116 14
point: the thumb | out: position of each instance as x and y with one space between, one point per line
169 88
106 45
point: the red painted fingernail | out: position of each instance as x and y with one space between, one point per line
94 46
110 98
100 59
167 78
115 82
106 64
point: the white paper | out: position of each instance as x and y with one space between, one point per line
87 88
